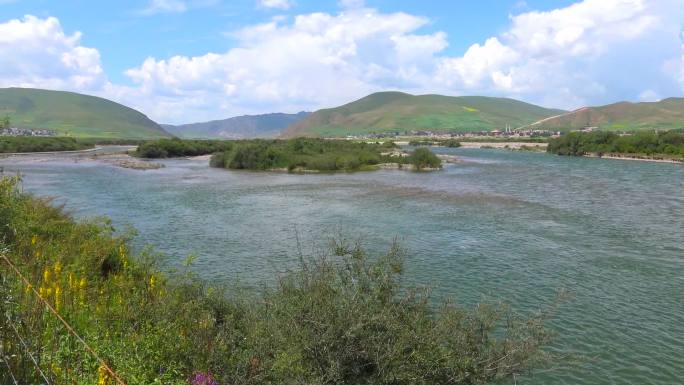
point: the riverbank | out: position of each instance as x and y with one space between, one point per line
86 151
505 145
636 157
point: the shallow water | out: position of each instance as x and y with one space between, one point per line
516 226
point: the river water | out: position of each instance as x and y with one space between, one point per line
509 225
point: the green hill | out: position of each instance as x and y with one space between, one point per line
400 112
624 116
75 115
239 127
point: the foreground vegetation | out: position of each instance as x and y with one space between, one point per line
343 318
40 144
648 143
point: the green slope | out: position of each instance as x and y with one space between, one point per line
396 111
666 114
75 115
239 127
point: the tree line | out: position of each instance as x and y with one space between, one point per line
669 143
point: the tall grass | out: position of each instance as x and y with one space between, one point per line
340 318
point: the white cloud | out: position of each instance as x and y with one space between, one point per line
164 6
649 96
317 60
586 53
37 53
277 4
681 70
564 57
592 52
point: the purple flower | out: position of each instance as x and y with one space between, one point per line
199 378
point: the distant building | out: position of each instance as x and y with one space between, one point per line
14 131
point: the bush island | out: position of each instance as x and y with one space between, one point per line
424 158
310 154
342 318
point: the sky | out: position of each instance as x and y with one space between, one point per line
181 61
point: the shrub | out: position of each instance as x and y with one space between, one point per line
453 143
40 144
302 153
643 142
171 148
424 158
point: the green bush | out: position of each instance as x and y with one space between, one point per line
453 143
602 142
173 148
340 318
40 144
424 158
303 154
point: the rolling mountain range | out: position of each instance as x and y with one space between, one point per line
239 127
76 115
400 112
624 116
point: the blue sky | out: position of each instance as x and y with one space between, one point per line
187 60
125 37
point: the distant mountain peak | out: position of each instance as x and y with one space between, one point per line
268 125
401 112
74 114
623 116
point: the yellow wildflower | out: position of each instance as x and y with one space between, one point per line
34 240
41 292
58 268
58 297
56 369
46 275
102 375
153 282
48 292
72 281
82 283
37 253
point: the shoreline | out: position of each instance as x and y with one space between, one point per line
634 158
504 145
96 148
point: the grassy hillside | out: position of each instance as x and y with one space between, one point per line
396 111
75 115
666 114
239 127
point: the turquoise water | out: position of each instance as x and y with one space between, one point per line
516 226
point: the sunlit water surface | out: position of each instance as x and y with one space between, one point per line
516 226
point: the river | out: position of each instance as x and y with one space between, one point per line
510 225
